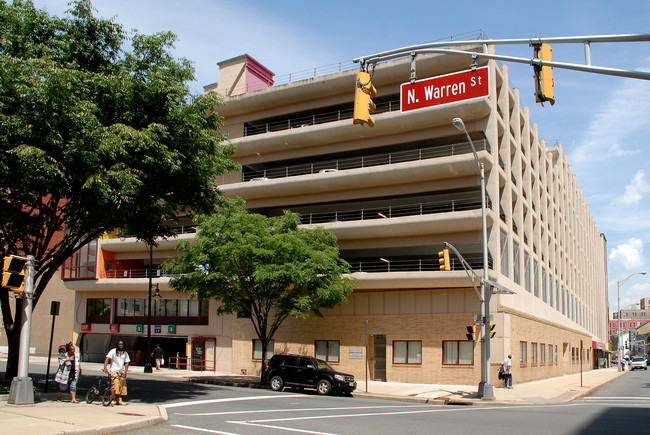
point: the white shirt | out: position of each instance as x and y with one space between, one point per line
507 365
118 361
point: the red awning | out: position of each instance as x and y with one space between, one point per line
598 346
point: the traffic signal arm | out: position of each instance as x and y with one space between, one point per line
363 95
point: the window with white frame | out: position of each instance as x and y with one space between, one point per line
505 264
257 349
327 350
516 271
523 352
407 352
458 352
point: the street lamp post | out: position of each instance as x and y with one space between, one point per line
485 388
618 308
147 366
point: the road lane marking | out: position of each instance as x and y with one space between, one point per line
288 429
200 429
232 399
204 414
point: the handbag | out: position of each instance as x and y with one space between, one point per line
501 377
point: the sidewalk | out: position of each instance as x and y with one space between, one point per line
47 416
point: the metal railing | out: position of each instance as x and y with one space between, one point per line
416 209
137 273
425 264
365 161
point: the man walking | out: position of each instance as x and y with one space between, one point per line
158 355
119 360
507 371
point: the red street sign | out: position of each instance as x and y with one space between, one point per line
450 88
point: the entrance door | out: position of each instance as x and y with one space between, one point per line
203 353
380 358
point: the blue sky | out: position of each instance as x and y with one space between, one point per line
599 120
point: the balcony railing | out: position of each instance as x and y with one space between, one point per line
365 161
416 209
426 264
136 273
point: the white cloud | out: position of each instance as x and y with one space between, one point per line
635 190
629 255
616 150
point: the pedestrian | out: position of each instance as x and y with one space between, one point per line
119 359
158 355
68 373
506 367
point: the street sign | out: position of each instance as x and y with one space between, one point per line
445 89
157 329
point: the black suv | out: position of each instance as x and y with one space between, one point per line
306 372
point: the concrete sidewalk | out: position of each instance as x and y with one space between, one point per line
47 416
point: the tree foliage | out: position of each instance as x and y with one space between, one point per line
94 137
265 268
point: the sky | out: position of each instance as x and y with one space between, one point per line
599 120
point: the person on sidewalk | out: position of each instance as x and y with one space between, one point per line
68 373
507 372
119 359
158 355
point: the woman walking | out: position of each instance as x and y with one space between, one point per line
68 373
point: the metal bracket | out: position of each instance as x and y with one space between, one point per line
500 290
413 77
473 65
467 268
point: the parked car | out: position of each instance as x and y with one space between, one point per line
638 362
300 371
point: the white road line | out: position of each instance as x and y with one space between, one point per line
616 398
199 429
232 399
288 429
300 410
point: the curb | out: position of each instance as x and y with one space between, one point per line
124 427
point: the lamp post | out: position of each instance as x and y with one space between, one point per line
147 366
485 388
618 308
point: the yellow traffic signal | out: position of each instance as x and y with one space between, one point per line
443 259
544 75
363 104
13 274
492 331
472 332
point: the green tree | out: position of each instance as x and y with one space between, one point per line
264 268
94 137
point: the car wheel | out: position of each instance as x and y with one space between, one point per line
324 387
277 384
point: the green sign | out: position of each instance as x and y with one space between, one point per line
171 329
139 328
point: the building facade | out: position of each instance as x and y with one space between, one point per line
393 195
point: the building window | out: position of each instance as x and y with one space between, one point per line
163 312
81 264
327 350
515 263
523 352
458 352
407 352
98 311
533 353
505 266
257 349
556 354
542 353
545 288
550 353
527 271
536 279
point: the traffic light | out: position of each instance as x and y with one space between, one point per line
363 104
13 274
472 332
443 259
492 331
544 75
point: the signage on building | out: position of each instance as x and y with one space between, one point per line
446 89
114 327
171 329
356 353
157 329
85 327
139 329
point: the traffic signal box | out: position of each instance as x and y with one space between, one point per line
544 75
13 273
363 104
472 332
443 259
492 331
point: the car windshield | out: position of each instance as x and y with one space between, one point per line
322 365
637 358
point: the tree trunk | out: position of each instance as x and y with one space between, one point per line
13 342
265 345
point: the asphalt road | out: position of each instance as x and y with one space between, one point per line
621 406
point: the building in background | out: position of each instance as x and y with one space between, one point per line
393 195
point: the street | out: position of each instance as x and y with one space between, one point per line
622 404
